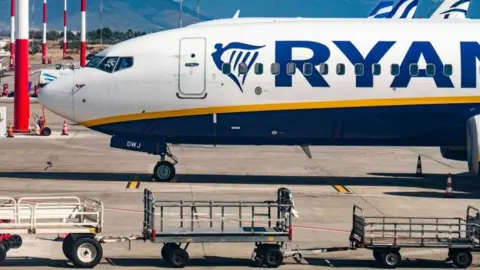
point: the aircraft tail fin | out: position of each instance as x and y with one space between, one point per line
452 9
237 14
381 10
404 9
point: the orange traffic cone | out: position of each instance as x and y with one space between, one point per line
419 167
64 130
449 190
10 131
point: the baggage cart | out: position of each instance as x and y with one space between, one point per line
268 224
80 220
386 235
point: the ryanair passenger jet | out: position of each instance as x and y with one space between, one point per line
298 82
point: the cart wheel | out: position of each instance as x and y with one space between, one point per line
46 131
3 253
273 257
67 247
462 258
178 257
15 241
391 258
167 248
86 252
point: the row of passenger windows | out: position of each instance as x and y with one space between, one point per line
307 69
110 64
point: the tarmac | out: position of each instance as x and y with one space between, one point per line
381 180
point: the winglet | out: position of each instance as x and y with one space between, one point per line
237 14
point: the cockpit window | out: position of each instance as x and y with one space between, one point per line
125 62
108 64
94 61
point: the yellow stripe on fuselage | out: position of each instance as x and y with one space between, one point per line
283 107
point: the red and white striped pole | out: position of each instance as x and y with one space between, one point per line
44 41
21 100
83 44
12 34
64 28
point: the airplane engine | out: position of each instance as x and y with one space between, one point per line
454 153
473 131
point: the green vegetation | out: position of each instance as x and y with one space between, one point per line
98 36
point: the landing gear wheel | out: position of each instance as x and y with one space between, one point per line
67 247
391 259
86 252
273 258
462 258
15 241
178 257
164 171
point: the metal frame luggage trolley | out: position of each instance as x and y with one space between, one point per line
387 235
80 220
219 221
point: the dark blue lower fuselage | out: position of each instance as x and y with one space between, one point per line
412 125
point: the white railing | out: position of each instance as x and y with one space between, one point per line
64 212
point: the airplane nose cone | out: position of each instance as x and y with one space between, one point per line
56 96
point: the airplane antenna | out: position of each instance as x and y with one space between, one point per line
181 14
32 19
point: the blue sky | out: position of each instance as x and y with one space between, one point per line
307 8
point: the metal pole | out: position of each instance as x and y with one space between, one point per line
44 38
198 11
64 28
83 44
12 34
181 14
22 100
101 24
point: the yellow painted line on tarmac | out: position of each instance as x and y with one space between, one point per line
341 188
133 184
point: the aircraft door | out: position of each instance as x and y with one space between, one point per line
192 69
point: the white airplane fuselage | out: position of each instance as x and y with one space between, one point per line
175 90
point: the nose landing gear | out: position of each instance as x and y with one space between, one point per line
165 171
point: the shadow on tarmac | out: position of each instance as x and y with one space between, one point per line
214 261
365 263
466 185
207 261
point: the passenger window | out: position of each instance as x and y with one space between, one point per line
108 64
275 68
376 69
258 68
359 69
125 62
324 69
307 69
242 68
340 69
395 69
413 69
291 68
448 70
430 70
226 68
